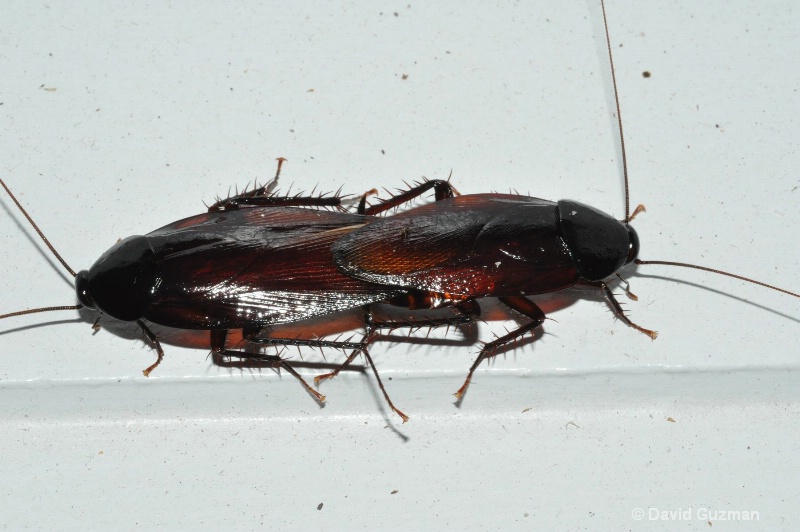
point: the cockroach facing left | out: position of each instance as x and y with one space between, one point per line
252 261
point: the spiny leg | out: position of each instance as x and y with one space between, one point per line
525 307
156 345
357 347
443 189
469 311
369 329
235 202
617 308
262 197
218 348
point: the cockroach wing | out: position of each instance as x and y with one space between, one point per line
253 266
467 246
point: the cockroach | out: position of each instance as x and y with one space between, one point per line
506 246
252 261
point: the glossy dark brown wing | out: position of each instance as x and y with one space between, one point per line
255 266
474 246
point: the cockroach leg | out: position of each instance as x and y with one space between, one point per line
156 344
304 342
369 329
442 188
380 384
524 306
627 288
319 378
262 197
469 311
235 202
369 326
620 313
218 337
362 204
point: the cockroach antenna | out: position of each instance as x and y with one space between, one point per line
52 250
640 208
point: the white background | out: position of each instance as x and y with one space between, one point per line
117 120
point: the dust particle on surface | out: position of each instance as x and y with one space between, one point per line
319 506
646 74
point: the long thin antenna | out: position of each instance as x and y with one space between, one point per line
55 253
712 270
38 231
36 310
619 117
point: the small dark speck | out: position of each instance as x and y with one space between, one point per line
50 54
405 76
394 491
716 126
646 74
319 506
383 152
291 131
793 188
396 14
231 88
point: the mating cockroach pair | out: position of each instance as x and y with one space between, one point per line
257 260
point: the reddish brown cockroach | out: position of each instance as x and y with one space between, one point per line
459 250
254 261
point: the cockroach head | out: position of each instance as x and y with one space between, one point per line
633 243
121 282
598 244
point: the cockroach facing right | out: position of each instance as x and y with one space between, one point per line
256 260
460 249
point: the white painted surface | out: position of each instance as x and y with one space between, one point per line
157 108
